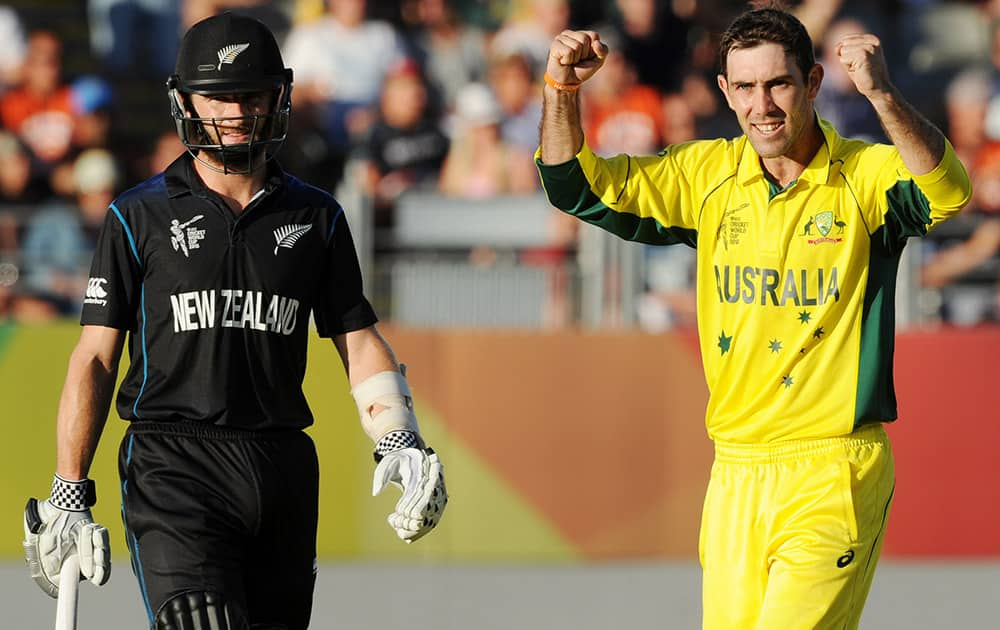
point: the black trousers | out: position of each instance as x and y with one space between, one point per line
219 510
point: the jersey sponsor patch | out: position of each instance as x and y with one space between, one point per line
96 293
234 308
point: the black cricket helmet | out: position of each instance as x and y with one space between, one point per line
231 54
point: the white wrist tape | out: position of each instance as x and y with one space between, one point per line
390 390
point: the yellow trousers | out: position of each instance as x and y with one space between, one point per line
791 532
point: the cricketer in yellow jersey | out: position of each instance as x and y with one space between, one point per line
798 234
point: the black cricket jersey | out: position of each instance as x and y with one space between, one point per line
218 306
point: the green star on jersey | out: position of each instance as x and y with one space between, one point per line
725 342
786 381
775 345
804 317
819 332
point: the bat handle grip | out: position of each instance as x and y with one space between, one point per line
69 584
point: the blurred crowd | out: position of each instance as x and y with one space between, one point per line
443 96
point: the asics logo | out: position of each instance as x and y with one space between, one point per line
229 53
95 292
845 559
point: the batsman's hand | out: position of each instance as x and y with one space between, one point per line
418 472
575 56
58 527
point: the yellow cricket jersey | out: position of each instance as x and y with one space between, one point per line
795 287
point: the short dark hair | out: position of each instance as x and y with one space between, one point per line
775 26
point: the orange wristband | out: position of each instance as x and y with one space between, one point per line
562 87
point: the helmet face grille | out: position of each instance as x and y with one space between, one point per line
230 54
202 135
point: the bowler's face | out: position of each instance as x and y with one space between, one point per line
772 100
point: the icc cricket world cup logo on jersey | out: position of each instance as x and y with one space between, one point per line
185 237
824 223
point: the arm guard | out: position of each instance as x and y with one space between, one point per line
390 390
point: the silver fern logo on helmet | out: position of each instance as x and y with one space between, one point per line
230 53
287 235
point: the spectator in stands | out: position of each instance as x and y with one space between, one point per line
128 35
12 48
18 184
668 298
529 30
519 97
406 146
967 100
340 62
59 240
92 99
167 148
966 270
271 13
40 110
451 53
479 163
20 190
839 101
653 39
619 114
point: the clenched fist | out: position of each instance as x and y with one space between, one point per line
575 56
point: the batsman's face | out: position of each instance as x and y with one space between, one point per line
232 115
772 100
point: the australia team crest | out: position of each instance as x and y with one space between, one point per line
824 227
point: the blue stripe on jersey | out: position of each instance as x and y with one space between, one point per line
128 232
145 355
333 224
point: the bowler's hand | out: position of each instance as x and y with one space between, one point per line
420 474
862 57
575 56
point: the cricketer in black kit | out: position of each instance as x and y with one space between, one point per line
212 270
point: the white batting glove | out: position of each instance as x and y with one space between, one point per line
420 475
60 526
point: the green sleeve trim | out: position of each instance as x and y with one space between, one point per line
876 395
568 189
909 214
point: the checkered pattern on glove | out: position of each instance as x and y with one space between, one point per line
394 441
73 496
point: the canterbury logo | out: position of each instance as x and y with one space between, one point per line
95 288
230 53
95 292
287 235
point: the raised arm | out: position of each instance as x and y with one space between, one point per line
574 57
921 145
